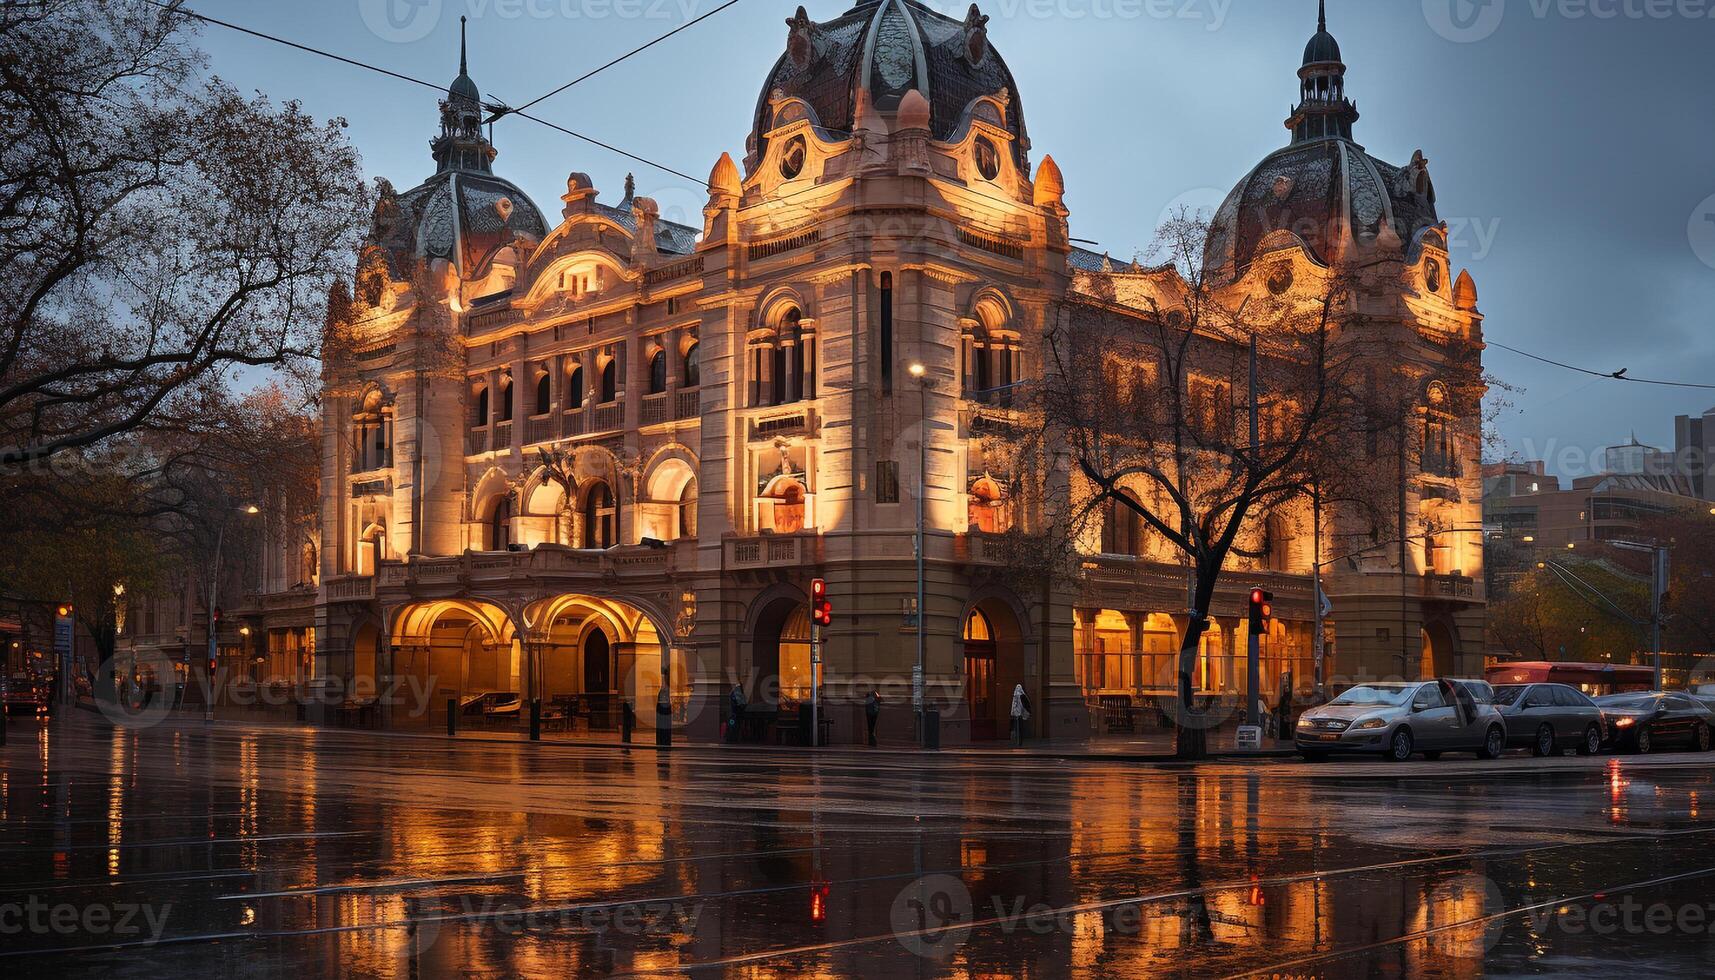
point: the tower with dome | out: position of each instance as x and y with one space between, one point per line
574 460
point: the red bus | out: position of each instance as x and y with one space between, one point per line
1593 679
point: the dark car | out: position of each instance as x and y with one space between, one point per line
1646 720
1550 718
26 693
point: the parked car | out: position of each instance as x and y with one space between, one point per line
26 693
1399 719
1644 721
1550 718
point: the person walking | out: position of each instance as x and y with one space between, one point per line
871 711
1020 714
735 713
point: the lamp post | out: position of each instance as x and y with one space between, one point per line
213 604
919 372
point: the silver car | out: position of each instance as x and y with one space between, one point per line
1550 718
1398 719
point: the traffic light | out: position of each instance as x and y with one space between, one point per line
1262 609
821 610
818 902
64 611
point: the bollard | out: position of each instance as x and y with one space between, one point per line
536 719
452 717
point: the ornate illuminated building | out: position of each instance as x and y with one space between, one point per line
565 454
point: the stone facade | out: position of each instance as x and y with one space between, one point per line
565 461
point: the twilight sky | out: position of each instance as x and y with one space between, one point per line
1572 142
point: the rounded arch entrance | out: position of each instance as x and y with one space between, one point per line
592 653
779 636
1440 650
453 649
992 639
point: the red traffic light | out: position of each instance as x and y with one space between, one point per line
1261 610
821 610
818 903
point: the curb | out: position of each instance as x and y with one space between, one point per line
840 753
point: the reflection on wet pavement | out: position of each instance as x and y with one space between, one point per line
183 850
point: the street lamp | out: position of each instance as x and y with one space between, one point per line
918 371
213 604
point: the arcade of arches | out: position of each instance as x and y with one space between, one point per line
581 655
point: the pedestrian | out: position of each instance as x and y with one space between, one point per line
627 720
663 717
871 711
1020 713
735 714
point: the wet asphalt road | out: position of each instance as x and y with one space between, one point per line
180 851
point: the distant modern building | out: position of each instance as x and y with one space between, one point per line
1693 448
1527 513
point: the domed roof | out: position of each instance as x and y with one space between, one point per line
890 47
461 216
1322 49
1329 193
464 213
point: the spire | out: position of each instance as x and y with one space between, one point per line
1323 110
461 144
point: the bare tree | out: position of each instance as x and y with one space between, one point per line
1145 403
158 231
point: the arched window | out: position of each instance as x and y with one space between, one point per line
544 394
575 387
479 407
598 516
500 525
688 509
658 373
693 374
1122 530
609 381
506 398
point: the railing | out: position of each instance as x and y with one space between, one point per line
654 409
688 404
1449 586
539 429
502 435
772 551
571 423
484 566
796 422
354 588
609 416
476 441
